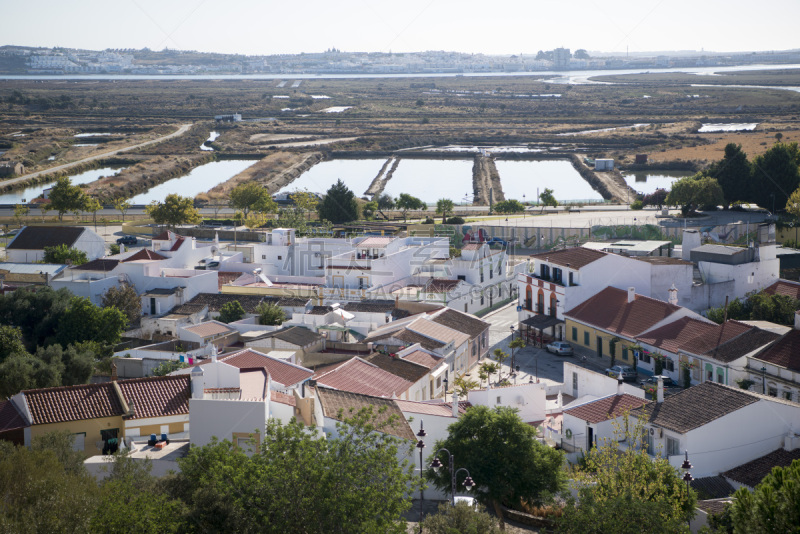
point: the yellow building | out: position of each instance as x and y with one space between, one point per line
98 414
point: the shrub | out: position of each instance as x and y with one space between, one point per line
637 205
455 220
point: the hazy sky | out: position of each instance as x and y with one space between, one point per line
492 27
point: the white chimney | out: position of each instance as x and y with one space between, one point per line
673 295
198 383
691 240
660 391
620 382
791 441
631 294
455 405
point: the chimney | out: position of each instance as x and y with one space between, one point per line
631 294
198 383
673 295
691 240
791 441
660 391
114 376
620 382
455 405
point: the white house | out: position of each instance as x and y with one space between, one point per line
29 244
528 399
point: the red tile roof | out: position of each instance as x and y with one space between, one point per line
785 352
166 235
423 358
209 328
157 396
753 472
606 408
693 336
144 254
358 376
610 310
784 287
376 242
282 398
10 419
226 277
281 372
177 244
73 403
575 258
100 264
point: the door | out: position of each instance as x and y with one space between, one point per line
590 443
152 306
599 346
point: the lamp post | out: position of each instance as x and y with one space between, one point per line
468 482
445 388
687 477
421 445
764 380
516 369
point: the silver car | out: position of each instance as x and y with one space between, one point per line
628 373
562 348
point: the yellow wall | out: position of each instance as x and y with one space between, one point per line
309 293
787 234
593 333
91 427
146 430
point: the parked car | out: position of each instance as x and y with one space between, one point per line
213 265
651 380
561 348
127 240
628 373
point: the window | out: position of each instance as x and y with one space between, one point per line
772 392
557 276
625 353
465 311
574 334
484 340
491 271
720 376
787 395
474 349
461 277
571 282
649 446
481 275
482 298
263 256
644 357
673 447
499 400
709 375
280 257
79 441
669 365
438 382
575 384
586 338
545 272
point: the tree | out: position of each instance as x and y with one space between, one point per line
124 298
369 209
444 207
255 220
23 371
65 197
582 54
270 314
92 205
773 507
508 206
627 490
168 366
463 385
83 321
406 202
10 341
775 175
173 211
503 457
348 482
461 518
546 198
64 254
45 207
36 310
250 196
122 205
694 192
385 202
230 312
516 343
733 173
500 356
793 203
305 201
20 212
59 442
657 198
339 205
489 367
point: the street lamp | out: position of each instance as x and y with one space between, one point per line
421 445
468 482
687 477
516 373
764 380
512 348
445 388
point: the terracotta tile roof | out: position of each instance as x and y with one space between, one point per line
341 405
177 244
284 373
441 285
577 257
10 419
370 306
606 408
144 254
73 403
282 398
715 487
713 506
438 332
215 301
375 242
157 396
320 310
440 409
739 346
397 366
209 328
696 406
610 310
226 277
38 237
187 309
423 358
100 264
785 352
406 337
784 287
166 235
463 322
692 335
753 472
359 376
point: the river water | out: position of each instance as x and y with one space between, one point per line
199 180
29 193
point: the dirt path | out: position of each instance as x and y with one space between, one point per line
484 178
180 131
273 172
